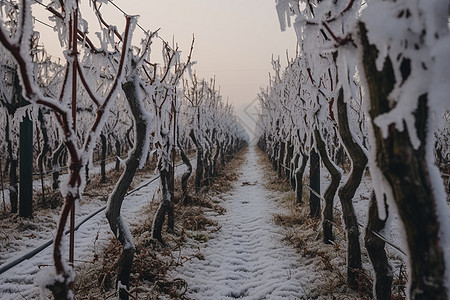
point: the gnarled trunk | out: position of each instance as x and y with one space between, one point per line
314 182
116 222
13 163
117 145
56 157
280 159
406 170
347 192
335 173
377 254
103 157
45 149
165 207
299 178
199 168
185 176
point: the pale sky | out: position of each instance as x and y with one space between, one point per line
234 39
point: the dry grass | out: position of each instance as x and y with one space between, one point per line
152 262
305 235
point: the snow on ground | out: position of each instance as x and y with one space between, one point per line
246 258
20 281
41 228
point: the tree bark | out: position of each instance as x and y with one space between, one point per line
280 159
185 176
299 178
56 157
128 138
288 162
347 192
166 205
44 151
406 169
117 145
215 159
13 163
295 164
199 168
116 222
328 219
314 182
377 254
103 157
222 153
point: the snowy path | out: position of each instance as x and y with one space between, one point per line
246 258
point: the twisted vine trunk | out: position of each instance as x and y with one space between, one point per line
118 154
103 157
165 207
335 173
299 178
116 222
280 159
347 192
199 168
44 151
186 175
314 178
274 154
406 170
288 157
13 163
377 254
62 286
222 153
56 157
215 159
207 165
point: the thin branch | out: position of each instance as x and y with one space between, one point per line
168 63
86 86
102 21
339 41
102 108
310 76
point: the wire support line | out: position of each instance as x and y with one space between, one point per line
30 254
43 23
359 224
122 11
67 167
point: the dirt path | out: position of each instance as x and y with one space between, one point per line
246 258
